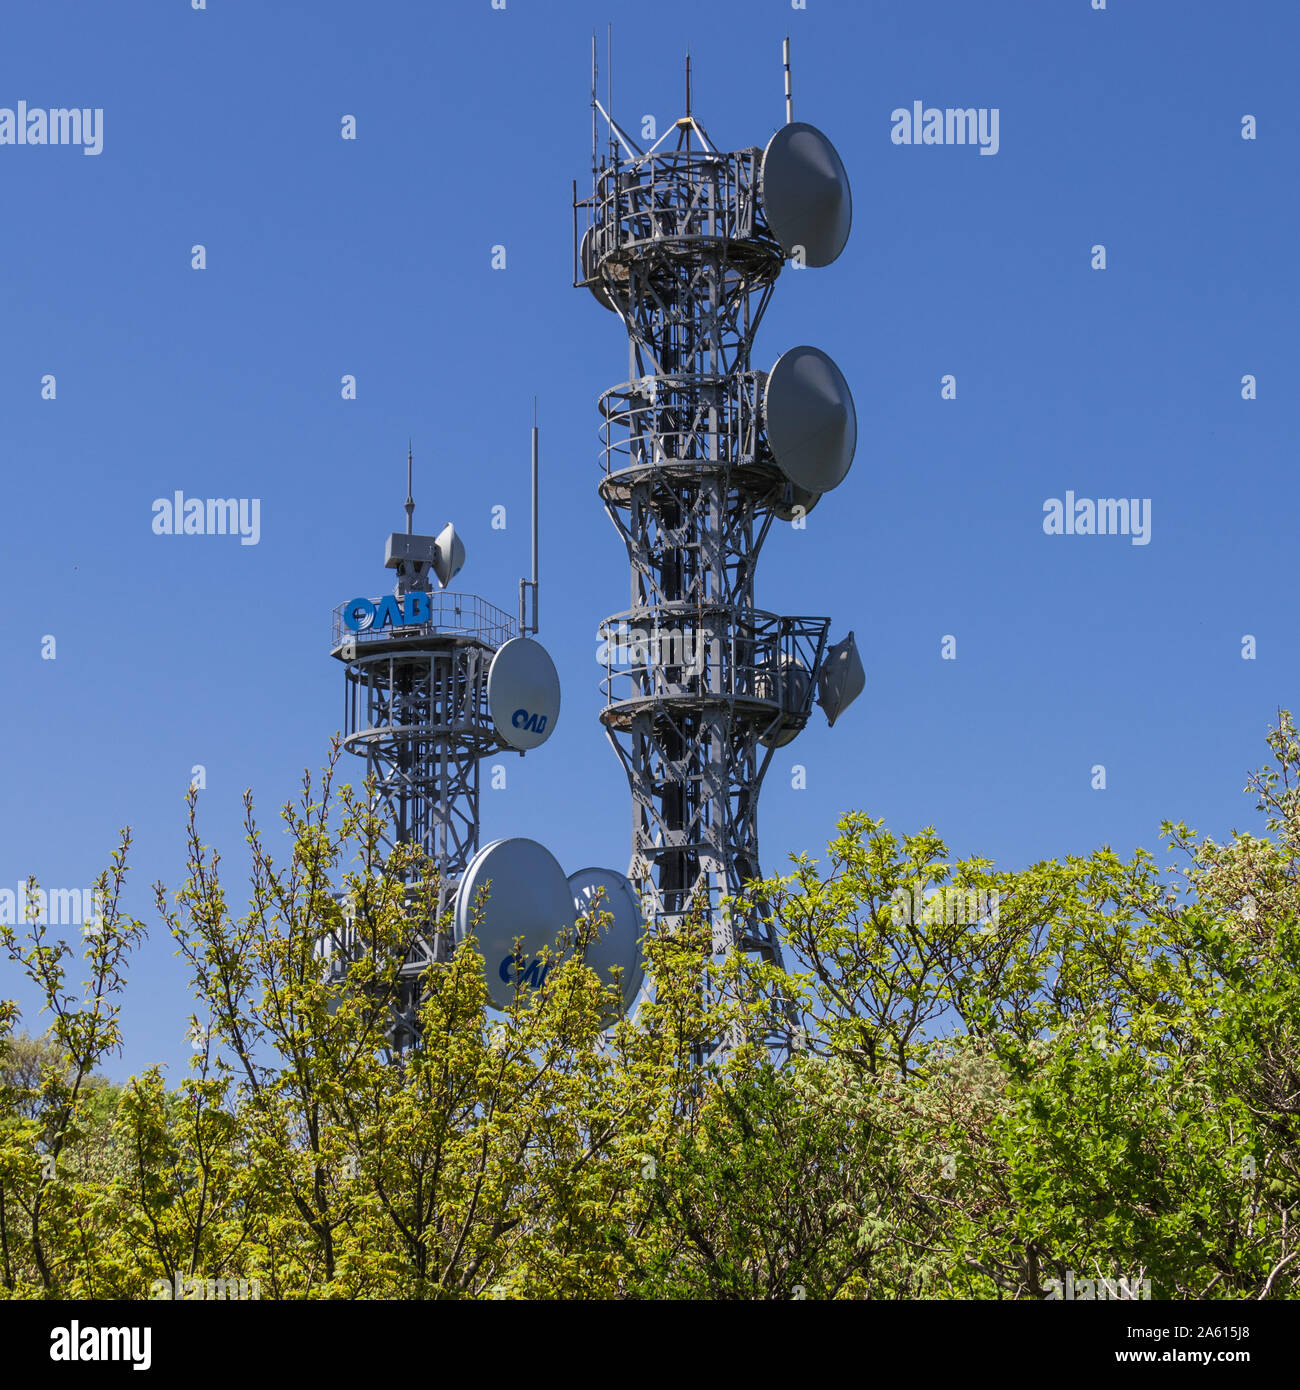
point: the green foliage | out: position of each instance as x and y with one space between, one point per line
1089 1066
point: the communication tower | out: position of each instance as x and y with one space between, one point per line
434 682
700 454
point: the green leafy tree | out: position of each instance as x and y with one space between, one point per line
988 1083
51 1198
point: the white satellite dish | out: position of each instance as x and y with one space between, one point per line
841 679
527 896
450 555
608 891
523 693
812 427
788 686
805 194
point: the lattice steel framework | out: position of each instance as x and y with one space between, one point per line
676 244
416 711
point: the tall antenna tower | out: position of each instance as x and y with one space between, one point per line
701 453
434 682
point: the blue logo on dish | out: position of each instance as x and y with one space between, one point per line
531 972
534 723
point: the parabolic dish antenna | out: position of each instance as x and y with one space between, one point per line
523 693
841 679
527 896
788 685
589 276
805 194
608 891
800 503
812 427
450 555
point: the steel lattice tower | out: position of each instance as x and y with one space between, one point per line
418 711
677 243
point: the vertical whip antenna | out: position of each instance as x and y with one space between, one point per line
785 57
526 584
609 95
535 500
410 501
593 105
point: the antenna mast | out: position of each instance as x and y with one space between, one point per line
527 584
785 57
534 441
410 501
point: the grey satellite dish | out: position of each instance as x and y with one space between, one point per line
812 427
799 503
527 896
589 277
523 693
450 555
841 679
805 194
788 686
608 891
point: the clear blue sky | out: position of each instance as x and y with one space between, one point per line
372 257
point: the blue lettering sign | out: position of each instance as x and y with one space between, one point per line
389 613
361 614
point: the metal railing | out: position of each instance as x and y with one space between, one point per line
678 196
662 421
760 658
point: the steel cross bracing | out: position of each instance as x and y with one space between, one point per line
416 711
678 248
420 721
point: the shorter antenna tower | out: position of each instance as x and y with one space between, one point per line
421 710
